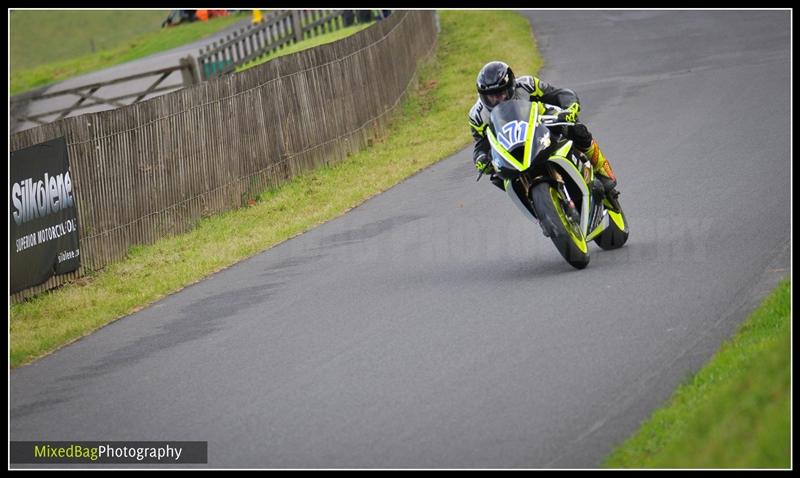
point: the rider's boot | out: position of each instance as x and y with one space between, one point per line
602 170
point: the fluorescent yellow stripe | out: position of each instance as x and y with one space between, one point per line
562 153
564 150
536 90
505 154
618 219
597 230
532 120
479 129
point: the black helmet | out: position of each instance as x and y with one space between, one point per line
495 77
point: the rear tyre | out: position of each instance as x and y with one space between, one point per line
616 234
565 234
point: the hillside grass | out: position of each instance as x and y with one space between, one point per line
430 125
51 46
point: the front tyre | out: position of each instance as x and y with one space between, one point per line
565 234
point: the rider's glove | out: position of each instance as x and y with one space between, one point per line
483 164
570 115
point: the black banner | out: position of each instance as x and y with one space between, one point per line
43 216
99 452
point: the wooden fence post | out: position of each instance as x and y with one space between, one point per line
297 28
190 71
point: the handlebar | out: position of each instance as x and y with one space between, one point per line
552 120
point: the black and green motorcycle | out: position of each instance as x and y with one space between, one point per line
551 182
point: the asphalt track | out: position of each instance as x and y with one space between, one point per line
434 326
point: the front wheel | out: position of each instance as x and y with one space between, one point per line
565 234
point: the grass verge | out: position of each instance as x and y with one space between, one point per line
24 79
430 125
307 43
735 412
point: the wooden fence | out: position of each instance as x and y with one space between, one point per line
88 96
279 29
155 168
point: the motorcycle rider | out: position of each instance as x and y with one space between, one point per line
497 83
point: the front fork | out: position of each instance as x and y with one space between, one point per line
569 204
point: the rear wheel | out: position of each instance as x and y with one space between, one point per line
616 234
565 234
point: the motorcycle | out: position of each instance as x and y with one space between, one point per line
551 182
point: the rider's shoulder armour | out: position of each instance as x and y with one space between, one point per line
529 87
479 116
